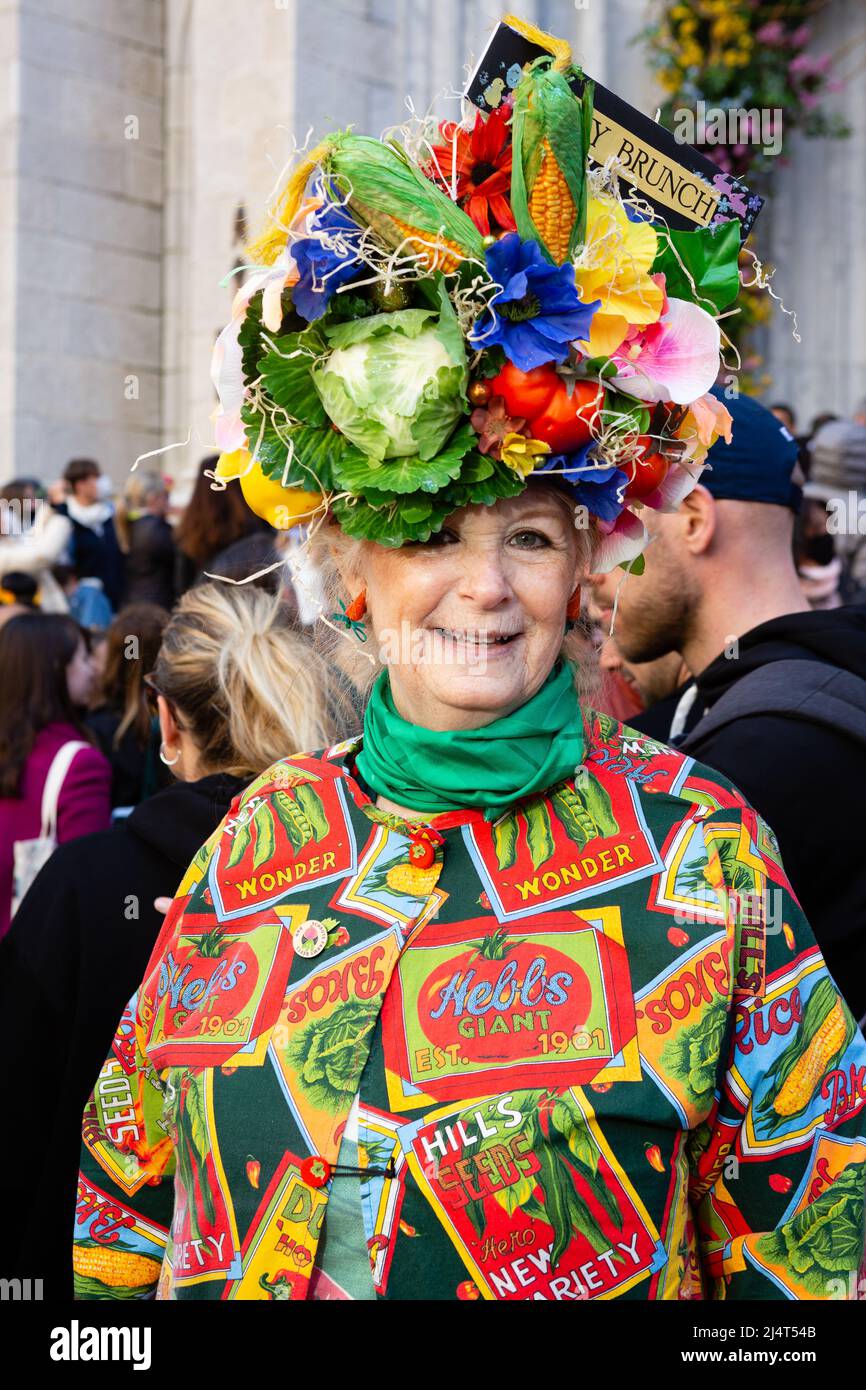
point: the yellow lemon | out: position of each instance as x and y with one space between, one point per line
281 507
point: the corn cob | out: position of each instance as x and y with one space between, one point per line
391 194
551 130
798 1088
114 1268
415 883
436 253
551 206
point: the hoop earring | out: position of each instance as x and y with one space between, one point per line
169 762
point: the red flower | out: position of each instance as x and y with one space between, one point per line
492 423
481 160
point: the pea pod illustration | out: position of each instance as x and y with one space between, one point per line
505 841
576 822
539 836
240 845
311 804
293 820
597 803
265 840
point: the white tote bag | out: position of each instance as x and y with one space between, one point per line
30 855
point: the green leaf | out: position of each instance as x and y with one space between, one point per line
318 456
289 382
710 256
426 427
409 322
398 476
368 434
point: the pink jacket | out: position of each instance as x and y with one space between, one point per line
84 806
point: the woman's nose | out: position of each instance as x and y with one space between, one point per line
484 580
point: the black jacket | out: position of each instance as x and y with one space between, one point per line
150 562
76 953
806 780
96 554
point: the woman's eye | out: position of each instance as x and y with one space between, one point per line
530 540
438 539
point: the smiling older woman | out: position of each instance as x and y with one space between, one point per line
500 999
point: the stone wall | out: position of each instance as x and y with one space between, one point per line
813 229
86 235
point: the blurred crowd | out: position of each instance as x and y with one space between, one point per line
140 692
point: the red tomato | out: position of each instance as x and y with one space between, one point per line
525 393
678 937
650 469
564 423
780 1183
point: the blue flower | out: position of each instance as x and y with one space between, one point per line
599 489
538 311
323 267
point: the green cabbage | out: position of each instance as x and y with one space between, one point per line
395 384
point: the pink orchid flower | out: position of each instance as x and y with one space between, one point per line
619 543
675 359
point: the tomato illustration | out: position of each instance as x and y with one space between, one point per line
217 966
650 469
468 1291
474 998
678 937
779 1183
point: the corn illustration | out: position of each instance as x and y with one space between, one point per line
551 206
114 1268
825 1032
800 1085
415 883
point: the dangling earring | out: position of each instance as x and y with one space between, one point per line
572 612
169 762
357 608
352 616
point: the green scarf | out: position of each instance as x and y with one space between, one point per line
523 753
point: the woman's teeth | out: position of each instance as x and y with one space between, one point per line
477 639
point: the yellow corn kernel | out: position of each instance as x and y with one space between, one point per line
801 1083
417 883
436 253
115 1268
551 206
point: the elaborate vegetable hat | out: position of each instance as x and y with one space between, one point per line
433 319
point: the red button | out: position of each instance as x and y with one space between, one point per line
421 854
316 1171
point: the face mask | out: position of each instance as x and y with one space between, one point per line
819 549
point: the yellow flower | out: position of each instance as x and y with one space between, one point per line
614 268
520 453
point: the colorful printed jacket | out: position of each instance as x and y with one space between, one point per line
597 1051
